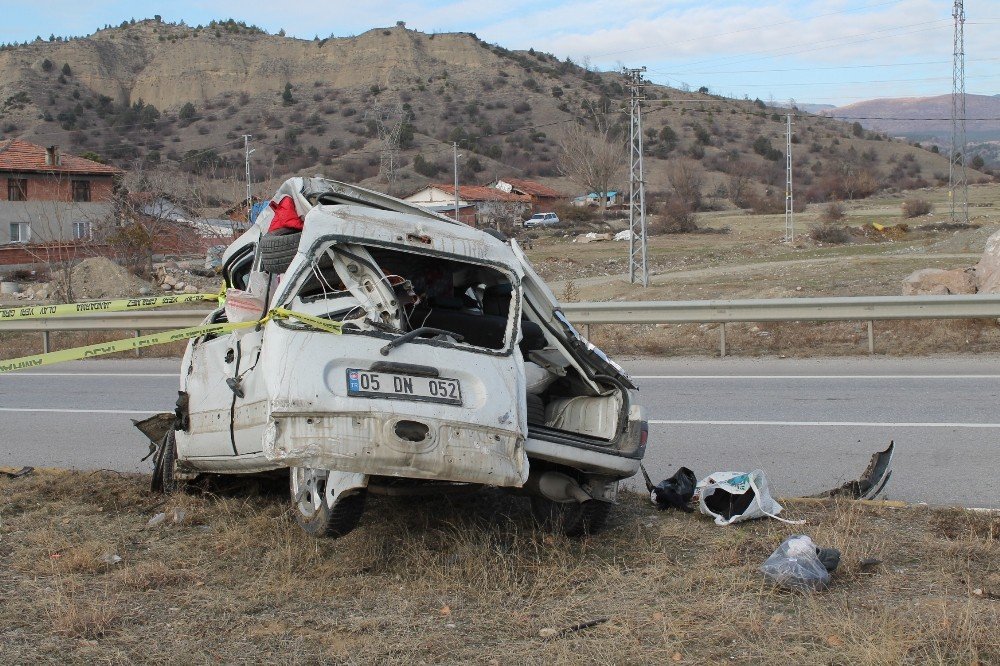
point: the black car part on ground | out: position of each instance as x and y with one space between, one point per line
872 481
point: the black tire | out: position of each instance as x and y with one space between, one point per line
536 410
326 521
164 466
572 519
278 250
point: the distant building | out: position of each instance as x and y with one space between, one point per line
544 199
47 196
594 199
477 205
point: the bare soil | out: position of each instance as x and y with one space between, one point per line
471 580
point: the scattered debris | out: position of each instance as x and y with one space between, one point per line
872 481
592 237
673 493
731 497
800 564
24 471
549 632
111 558
174 516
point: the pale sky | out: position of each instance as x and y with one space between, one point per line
826 51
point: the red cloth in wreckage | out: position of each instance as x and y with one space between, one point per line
285 215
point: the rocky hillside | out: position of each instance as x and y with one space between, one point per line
172 97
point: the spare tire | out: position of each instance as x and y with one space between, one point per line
536 410
278 250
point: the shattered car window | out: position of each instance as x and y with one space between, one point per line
415 290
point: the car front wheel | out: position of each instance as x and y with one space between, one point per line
327 503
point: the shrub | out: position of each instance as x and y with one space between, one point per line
765 204
832 212
571 213
915 207
676 217
829 233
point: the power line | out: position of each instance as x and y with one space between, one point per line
902 118
829 43
817 69
751 29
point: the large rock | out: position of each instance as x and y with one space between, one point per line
936 281
988 268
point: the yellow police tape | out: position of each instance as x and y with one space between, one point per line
116 305
141 342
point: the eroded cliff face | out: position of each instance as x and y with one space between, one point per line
135 63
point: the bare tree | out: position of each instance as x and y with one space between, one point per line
740 186
592 158
154 209
686 179
504 216
61 233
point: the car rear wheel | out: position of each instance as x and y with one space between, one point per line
570 518
321 508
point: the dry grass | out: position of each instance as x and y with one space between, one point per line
470 580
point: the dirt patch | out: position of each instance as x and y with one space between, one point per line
471 580
99 277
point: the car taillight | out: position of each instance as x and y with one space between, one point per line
644 434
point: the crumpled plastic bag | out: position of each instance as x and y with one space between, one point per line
799 564
731 497
675 492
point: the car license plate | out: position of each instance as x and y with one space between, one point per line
368 384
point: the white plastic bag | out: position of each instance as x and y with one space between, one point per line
796 564
731 497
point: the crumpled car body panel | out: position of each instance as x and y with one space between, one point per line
280 395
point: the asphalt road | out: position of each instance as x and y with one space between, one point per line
809 424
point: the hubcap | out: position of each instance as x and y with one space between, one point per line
309 489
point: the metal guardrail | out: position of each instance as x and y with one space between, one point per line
869 309
786 309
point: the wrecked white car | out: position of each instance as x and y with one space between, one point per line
453 367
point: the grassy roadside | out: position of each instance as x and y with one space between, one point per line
471 580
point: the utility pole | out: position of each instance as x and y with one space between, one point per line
789 200
958 179
454 147
246 158
637 266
